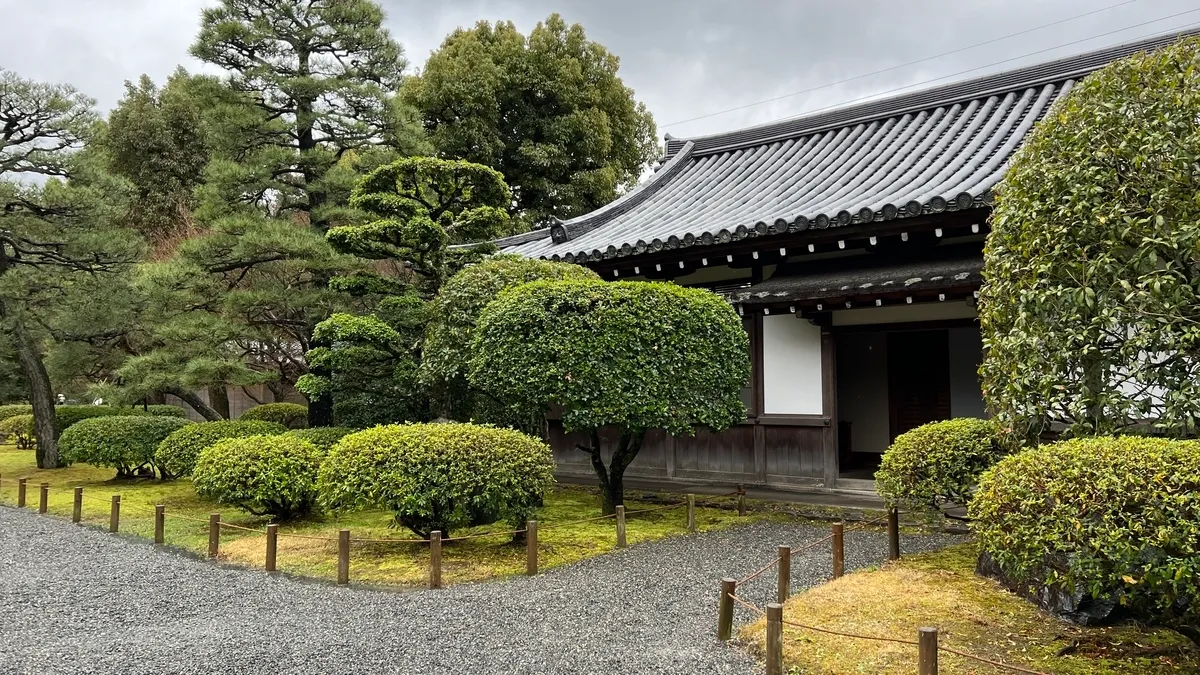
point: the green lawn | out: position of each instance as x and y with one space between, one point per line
972 613
391 563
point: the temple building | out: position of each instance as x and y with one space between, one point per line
851 242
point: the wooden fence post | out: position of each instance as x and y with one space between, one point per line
343 557
435 559
621 543
21 492
44 497
774 639
839 550
785 574
272 545
77 508
114 515
893 521
160 523
691 517
214 534
741 500
725 609
531 548
927 662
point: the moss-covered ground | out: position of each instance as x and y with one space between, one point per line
973 614
402 564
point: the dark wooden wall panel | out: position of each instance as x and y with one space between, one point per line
794 452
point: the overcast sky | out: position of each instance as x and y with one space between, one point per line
684 58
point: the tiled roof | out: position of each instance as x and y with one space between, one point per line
937 150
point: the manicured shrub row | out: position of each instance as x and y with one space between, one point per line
937 463
322 437
265 475
7 411
177 453
127 444
1113 518
438 476
163 411
290 415
19 430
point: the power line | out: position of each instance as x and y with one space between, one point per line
902 65
996 63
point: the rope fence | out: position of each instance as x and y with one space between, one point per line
928 644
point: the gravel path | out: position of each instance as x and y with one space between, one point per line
77 600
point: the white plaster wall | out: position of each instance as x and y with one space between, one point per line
966 353
929 311
862 391
791 366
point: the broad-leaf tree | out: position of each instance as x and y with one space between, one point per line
1090 309
548 111
630 356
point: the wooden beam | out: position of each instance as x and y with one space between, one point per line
829 439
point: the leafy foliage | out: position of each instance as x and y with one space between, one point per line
67 416
124 443
177 453
19 429
324 438
265 475
12 410
629 355
937 463
439 476
1089 310
1113 517
453 315
290 415
164 411
548 111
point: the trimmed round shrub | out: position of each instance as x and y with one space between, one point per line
127 444
322 437
1114 519
66 416
19 430
7 411
163 411
178 452
439 476
937 463
265 475
290 415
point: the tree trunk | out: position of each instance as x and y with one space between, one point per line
219 396
189 397
612 478
41 396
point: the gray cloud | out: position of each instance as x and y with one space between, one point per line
684 58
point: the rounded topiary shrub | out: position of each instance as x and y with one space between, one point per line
937 463
18 429
1111 519
265 475
66 416
290 415
439 476
322 437
14 409
178 452
127 444
163 411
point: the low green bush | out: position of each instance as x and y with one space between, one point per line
127 444
937 463
162 411
1114 519
265 475
290 415
439 476
178 452
322 437
67 416
12 410
18 429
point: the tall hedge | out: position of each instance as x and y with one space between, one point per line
937 463
127 444
14 409
1114 518
324 438
290 415
178 452
438 476
1091 294
629 355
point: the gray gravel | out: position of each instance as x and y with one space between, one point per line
78 600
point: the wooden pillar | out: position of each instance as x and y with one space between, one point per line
893 526
531 548
927 661
214 534
691 513
272 546
435 559
785 574
725 609
829 439
774 639
343 565
21 491
77 507
741 500
621 542
43 497
160 517
839 550
114 515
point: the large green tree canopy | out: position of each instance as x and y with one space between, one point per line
1091 304
629 355
548 111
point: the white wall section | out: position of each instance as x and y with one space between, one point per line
791 366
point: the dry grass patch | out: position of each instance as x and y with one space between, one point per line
972 613
390 563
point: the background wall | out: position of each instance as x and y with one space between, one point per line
966 353
862 389
791 366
